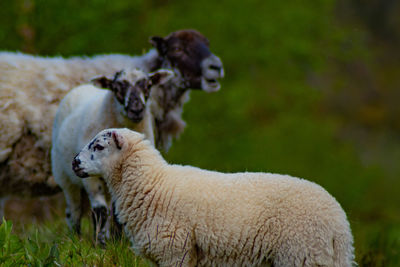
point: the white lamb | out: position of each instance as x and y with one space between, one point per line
185 216
87 110
31 88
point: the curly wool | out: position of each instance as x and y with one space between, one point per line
186 216
31 88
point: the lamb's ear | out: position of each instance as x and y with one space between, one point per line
160 77
119 142
102 82
160 44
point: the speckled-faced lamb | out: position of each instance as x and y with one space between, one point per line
85 111
31 88
185 216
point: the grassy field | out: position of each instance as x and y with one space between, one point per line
52 245
311 90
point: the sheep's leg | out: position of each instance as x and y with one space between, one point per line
116 229
73 211
3 201
72 193
95 189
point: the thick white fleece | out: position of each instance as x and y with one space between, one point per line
186 216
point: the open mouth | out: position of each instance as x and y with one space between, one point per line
210 85
80 172
136 118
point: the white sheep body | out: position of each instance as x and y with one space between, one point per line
83 112
185 216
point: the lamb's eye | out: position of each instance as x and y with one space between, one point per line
98 147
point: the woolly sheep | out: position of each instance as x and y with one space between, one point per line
31 88
185 216
85 111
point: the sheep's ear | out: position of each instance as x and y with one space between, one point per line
102 82
160 44
117 139
160 77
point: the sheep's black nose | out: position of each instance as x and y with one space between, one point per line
75 163
215 67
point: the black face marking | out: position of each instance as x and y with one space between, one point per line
98 147
92 143
131 96
144 86
117 75
134 105
92 157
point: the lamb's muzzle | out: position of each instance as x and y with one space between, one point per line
77 169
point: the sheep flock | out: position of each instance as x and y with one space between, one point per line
97 125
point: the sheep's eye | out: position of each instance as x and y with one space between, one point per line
98 147
177 49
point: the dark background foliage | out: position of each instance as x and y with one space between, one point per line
311 89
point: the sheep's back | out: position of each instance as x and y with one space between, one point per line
30 90
253 213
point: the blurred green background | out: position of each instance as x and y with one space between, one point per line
311 90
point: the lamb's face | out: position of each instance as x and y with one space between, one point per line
135 100
133 89
94 157
188 53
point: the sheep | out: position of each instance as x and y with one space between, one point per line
83 112
184 216
31 88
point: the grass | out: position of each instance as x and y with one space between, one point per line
306 93
52 245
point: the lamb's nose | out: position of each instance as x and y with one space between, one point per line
75 163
